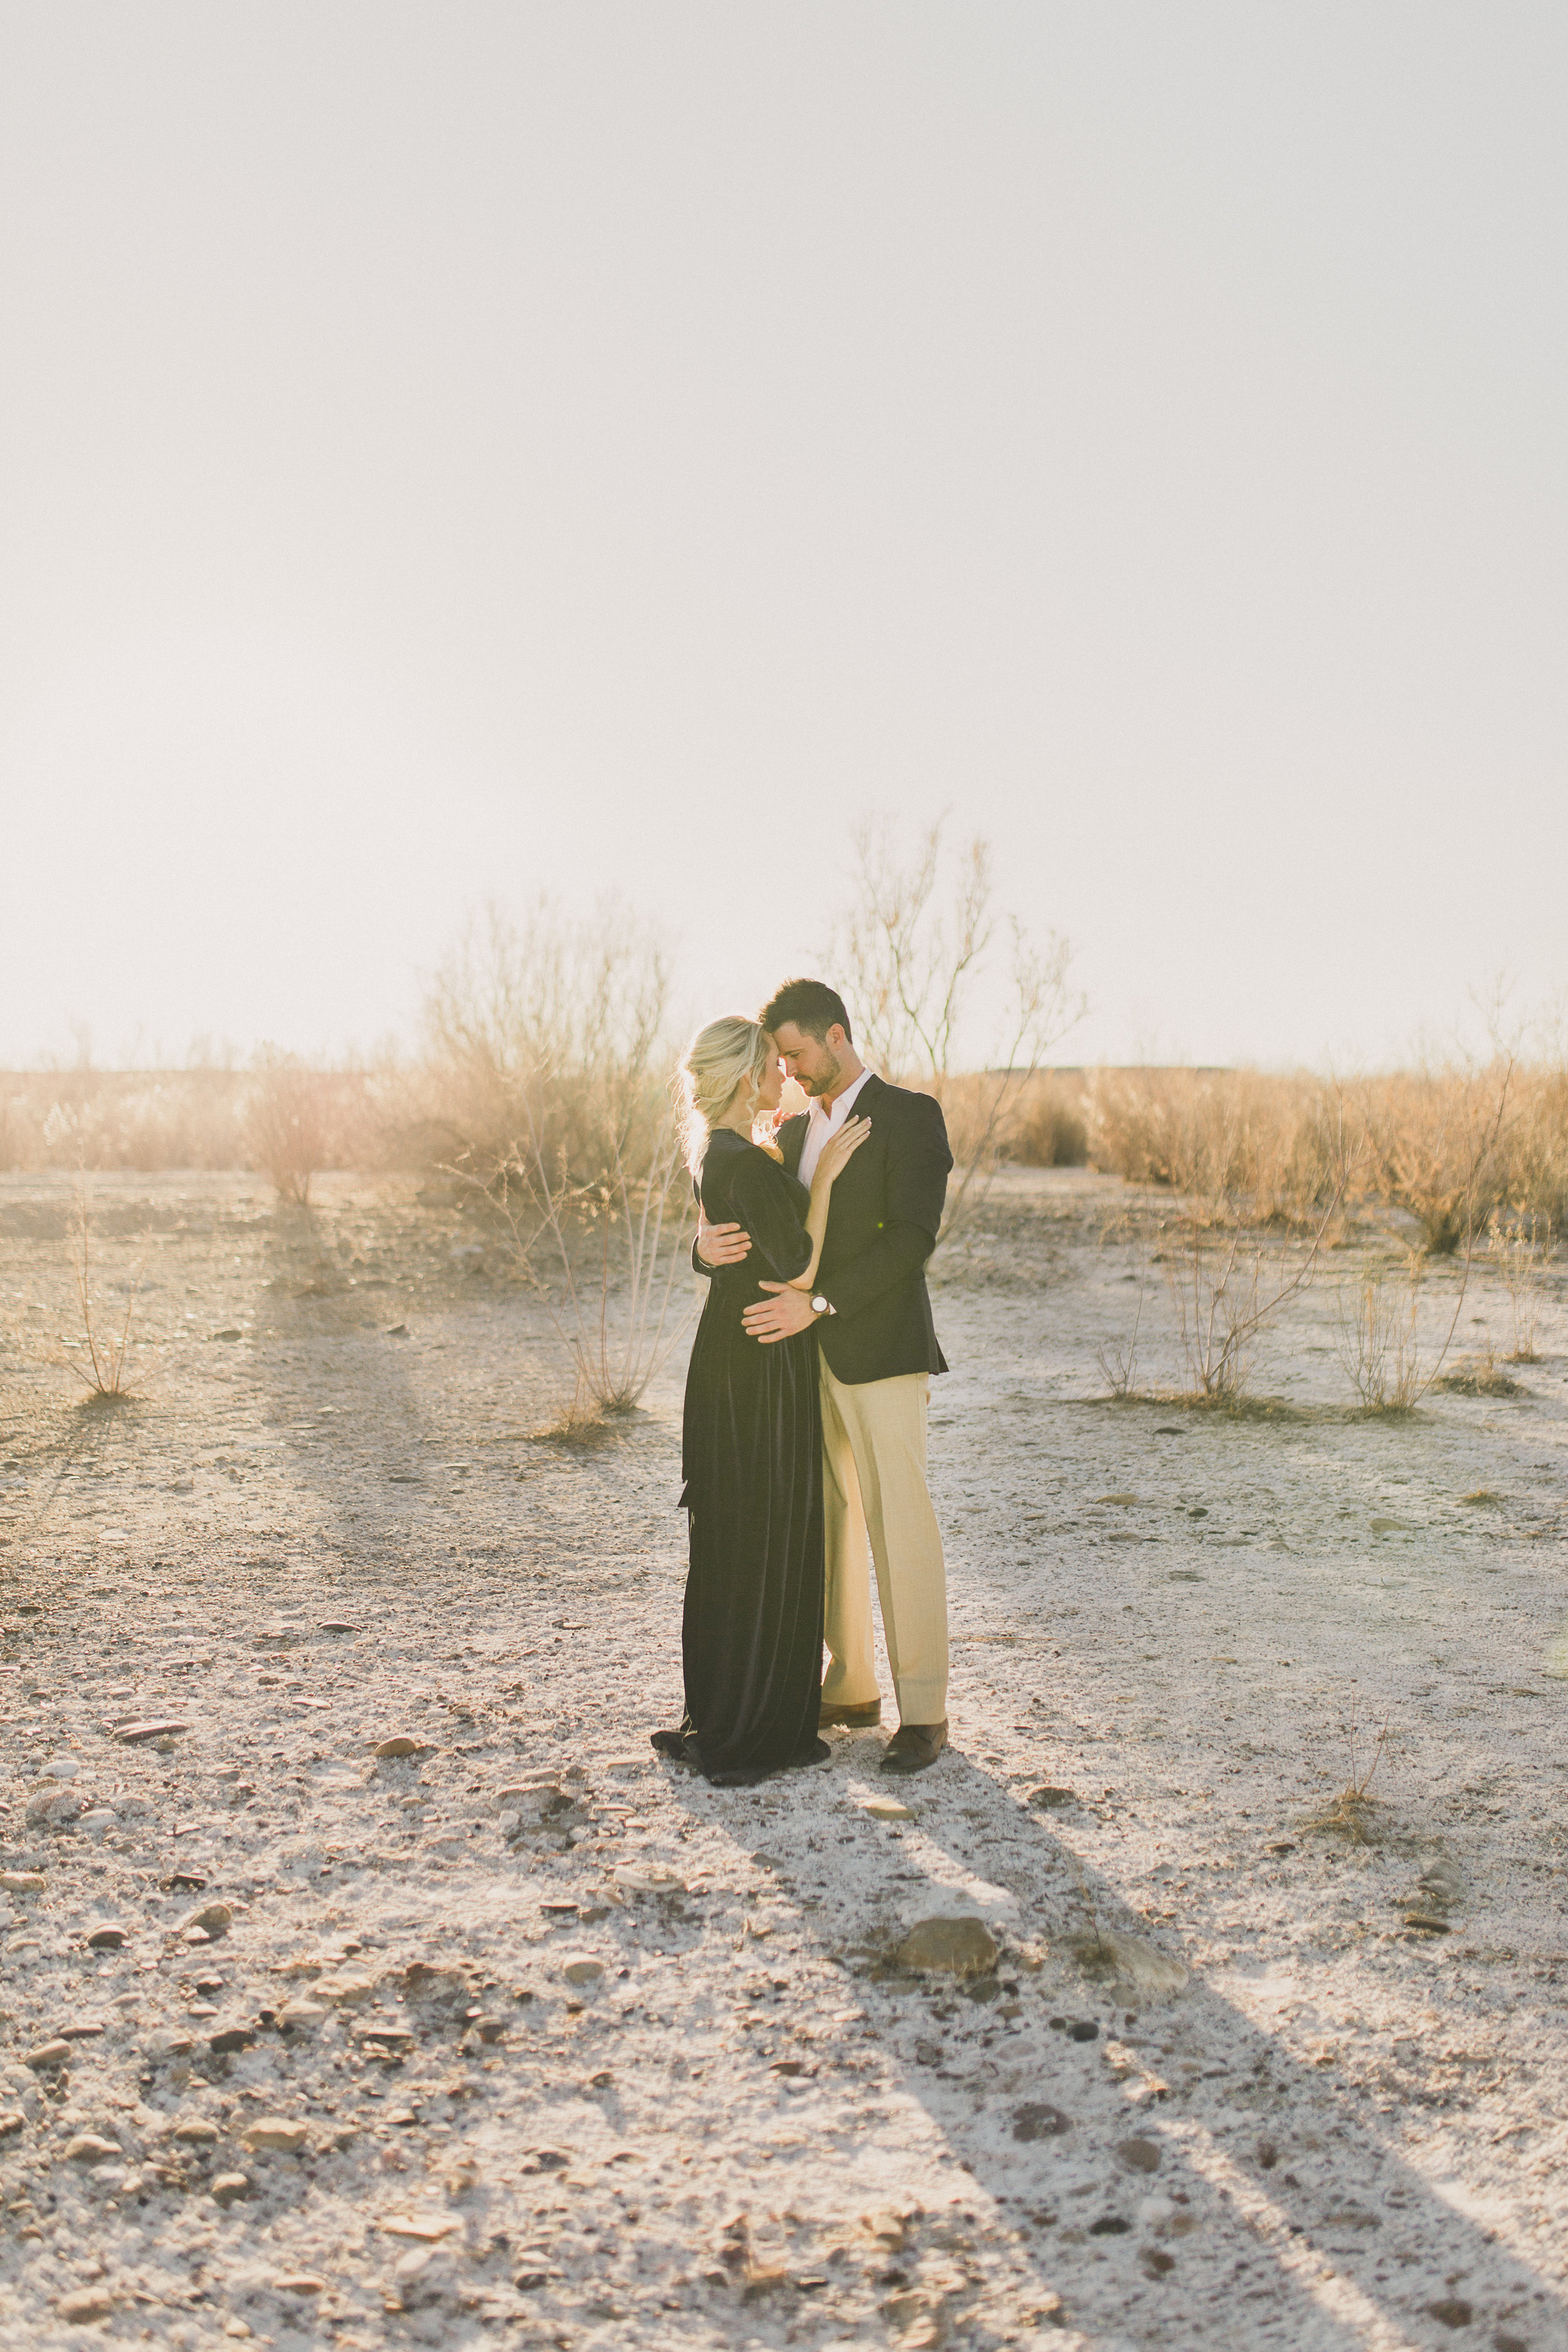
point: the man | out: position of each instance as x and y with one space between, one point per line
877 1350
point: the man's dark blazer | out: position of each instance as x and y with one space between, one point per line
882 1225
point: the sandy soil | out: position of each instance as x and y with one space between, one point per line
530 2037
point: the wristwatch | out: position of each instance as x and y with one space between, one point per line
820 1306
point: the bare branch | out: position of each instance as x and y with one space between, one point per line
908 958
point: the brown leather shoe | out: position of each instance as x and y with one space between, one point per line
914 1745
863 1717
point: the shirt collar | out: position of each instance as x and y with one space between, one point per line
842 1102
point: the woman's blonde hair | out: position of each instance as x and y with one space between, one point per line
724 1055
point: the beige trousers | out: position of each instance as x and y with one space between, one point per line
874 1484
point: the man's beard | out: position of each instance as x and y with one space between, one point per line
825 1081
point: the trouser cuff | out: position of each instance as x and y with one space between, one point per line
841 1690
922 1702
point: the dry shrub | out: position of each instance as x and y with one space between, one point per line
1238 1145
1451 1146
1438 1146
1118 1357
1520 1248
1049 1123
548 1054
909 945
98 1356
1030 1121
613 1254
1479 1376
1355 1813
1377 1340
207 1118
1226 1296
299 1120
121 1119
1216 1287
1535 1148
546 1041
1236 1150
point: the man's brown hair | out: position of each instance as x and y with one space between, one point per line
811 1004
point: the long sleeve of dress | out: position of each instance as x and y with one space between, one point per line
764 1198
697 1265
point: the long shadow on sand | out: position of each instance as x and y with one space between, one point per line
342 1393
1259 2207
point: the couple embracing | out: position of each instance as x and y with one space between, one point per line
804 1432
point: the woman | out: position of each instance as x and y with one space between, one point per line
752 1450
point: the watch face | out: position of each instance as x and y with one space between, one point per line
819 1305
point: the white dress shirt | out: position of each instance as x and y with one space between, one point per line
822 1123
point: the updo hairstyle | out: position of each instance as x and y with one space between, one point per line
725 1054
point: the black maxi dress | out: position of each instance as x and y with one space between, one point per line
751 1455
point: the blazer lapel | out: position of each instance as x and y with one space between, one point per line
792 1135
857 1173
792 1141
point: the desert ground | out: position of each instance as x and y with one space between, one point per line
525 2036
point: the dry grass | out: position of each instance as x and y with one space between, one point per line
1450 1148
1479 1375
580 1027
101 1360
1440 1163
1024 1118
207 1118
1351 1815
1118 1359
1377 1339
580 1420
1355 1814
121 1119
1240 1147
1535 1148
1436 1147
299 1121
912 938
1227 1294
1048 1122
1207 1162
614 1252
1521 1249
548 1052
546 1045
550 1033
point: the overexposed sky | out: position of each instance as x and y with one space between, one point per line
461 451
